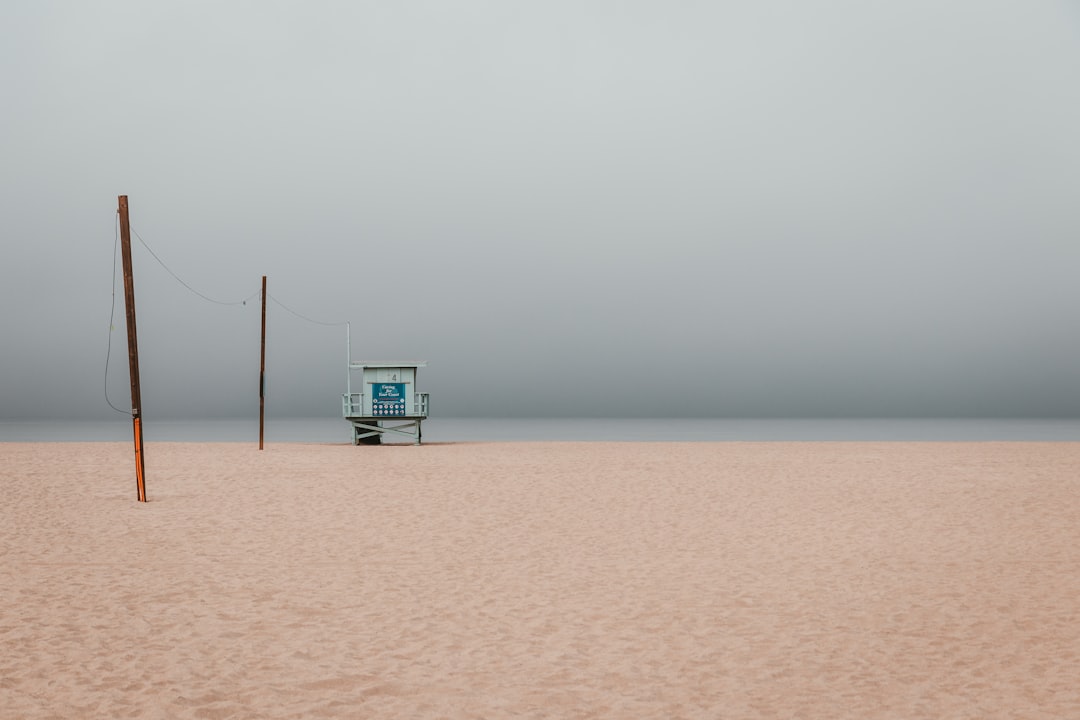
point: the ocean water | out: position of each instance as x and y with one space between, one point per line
336 430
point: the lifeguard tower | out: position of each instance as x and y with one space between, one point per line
389 403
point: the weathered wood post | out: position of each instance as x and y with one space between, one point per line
262 367
133 348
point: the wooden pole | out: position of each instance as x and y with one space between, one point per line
262 367
133 348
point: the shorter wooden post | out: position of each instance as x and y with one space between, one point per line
262 367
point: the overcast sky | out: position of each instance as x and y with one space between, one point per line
754 208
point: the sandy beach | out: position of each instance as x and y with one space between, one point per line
541 580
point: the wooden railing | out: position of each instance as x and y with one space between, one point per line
352 405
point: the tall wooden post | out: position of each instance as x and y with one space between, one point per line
262 366
133 347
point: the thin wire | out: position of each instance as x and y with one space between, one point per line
204 297
303 317
112 316
112 311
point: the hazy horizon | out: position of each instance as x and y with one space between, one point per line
640 209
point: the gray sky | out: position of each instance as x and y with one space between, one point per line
787 208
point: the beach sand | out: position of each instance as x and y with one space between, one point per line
541 580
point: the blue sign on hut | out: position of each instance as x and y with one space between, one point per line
389 403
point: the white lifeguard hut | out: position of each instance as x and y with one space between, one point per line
389 404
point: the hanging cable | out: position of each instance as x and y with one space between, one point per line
177 277
112 316
257 294
303 317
